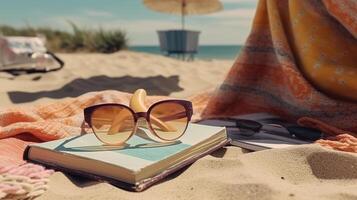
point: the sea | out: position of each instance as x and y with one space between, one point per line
205 52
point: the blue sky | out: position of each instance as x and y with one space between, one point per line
230 26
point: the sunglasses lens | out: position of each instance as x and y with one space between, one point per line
112 124
246 132
168 120
245 124
305 133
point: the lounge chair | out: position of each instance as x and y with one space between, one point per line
179 42
27 54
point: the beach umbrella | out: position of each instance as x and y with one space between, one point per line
184 7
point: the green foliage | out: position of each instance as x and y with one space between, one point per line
106 41
79 40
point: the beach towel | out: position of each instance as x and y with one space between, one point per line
298 61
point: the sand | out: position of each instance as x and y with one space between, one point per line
303 172
124 71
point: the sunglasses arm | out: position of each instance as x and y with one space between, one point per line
137 103
117 122
162 125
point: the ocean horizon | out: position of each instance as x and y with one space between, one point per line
205 52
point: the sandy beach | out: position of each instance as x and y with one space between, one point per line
306 172
123 71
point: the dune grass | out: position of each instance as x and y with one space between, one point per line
79 40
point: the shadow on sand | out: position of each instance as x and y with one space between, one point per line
154 85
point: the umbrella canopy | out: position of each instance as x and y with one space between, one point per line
184 7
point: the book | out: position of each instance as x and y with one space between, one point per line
268 138
134 166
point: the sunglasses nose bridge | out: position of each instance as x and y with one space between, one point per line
141 115
141 119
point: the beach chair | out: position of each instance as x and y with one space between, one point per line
183 43
27 54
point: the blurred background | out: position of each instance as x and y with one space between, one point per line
126 23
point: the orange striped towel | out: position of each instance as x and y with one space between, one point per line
298 61
336 138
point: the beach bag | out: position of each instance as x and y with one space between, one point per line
27 54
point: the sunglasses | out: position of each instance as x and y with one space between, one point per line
114 124
251 127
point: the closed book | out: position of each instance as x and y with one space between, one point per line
138 164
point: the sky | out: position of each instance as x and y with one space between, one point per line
229 26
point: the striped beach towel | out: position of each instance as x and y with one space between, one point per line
300 60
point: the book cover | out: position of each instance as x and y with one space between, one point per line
137 156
